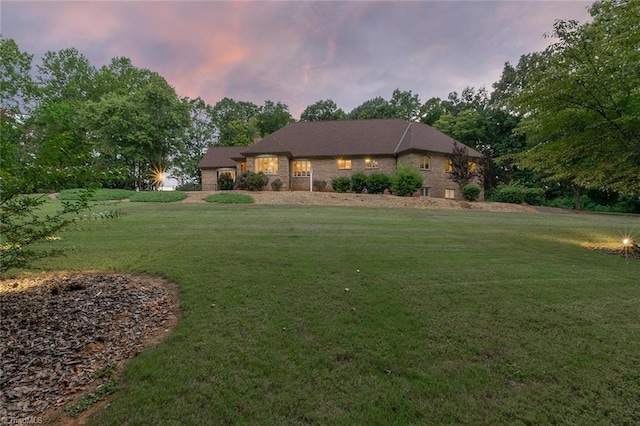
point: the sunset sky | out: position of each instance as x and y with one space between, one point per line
297 52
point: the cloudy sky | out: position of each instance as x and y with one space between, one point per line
297 52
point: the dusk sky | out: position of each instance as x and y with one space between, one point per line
297 52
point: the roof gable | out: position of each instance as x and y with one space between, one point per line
218 157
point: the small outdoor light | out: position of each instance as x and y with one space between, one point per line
626 242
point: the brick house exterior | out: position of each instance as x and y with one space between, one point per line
305 152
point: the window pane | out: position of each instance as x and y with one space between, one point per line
425 162
344 164
267 165
371 163
448 166
301 168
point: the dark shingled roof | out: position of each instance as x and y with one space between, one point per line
308 139
218 157
353 138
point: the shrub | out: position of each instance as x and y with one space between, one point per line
405 181
319 185
157 196
225 182
534 196
101 194
377 183
252 181
229 198
189 186
471 192
358 182
276 184
341 183
510 194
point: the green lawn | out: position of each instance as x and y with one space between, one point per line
450 316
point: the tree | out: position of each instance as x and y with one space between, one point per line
272 116
431 111
581 105
463 169
405 105
377 107
324 110
200 134
232 119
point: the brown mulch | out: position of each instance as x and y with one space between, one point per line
365 200
60 331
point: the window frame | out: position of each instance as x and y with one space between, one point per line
345 164
448 165
304 171
262 162
422 157
451 192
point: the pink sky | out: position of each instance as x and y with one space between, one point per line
297 52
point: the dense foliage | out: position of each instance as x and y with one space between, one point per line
405 181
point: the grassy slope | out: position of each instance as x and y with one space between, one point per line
479 317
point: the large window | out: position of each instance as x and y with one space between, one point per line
267 165
371 163
344 164
448 165
425 162
301 168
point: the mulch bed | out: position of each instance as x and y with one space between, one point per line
59 332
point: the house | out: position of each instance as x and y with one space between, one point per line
305 152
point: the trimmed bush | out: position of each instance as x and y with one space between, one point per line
377 183
471 192
534 196
406 181
341 183
229 198
225 182
252 181
102 194
358 182
157 196
510 194
276 185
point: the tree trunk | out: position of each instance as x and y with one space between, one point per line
576 197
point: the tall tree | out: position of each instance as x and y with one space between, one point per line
200 134
377 107
323 110
581 106
405 105
228 111
272 116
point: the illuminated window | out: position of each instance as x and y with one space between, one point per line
301 168
425 162
449 193
448 165
243 167
267 165
344 164
370 163
473 166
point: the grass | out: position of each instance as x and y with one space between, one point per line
451 316
228 198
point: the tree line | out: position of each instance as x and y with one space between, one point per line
566 118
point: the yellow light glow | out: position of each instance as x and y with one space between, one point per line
158 176
626 242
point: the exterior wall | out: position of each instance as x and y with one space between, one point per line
210 177
436 178
283 171
325 169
